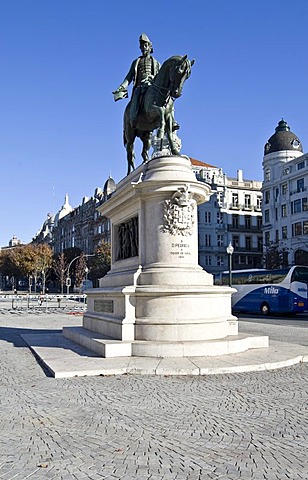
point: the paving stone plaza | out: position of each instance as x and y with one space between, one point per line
231 426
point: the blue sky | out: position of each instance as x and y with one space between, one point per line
60 130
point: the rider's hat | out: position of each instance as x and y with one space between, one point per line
145 39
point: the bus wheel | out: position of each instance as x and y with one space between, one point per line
265 310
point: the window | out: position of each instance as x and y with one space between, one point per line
260 244
235 221
220 240
284 188
207 217
266 216
283 210
300 165
235 200
297 229
207 240
247 201
259 221
286 171
242 259
300 185
219 260
248 243
284 232
304 204
235 242
267 175
208 260
220 198
259 202
277 235
276 193
220 218
267 238
248 222
267 196
296 206
305 227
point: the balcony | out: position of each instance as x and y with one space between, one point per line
298 190
243 228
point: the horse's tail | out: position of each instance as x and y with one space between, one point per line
124 138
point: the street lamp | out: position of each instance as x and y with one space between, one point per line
68 280
86 270
230 250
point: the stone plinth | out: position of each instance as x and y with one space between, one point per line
156 293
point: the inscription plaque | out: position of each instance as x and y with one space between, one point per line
180 249
103 306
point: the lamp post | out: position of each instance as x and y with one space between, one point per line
86 270
230 250
30 283
68 280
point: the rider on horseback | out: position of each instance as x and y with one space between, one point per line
142 73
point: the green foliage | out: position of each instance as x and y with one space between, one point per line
80 270
276 256
100 264
27 260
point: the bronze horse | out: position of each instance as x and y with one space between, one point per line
157 108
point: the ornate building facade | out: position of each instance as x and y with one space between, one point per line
232 215
285 195
81 227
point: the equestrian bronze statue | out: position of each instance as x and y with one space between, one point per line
152 104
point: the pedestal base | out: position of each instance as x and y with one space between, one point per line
152 321
156 300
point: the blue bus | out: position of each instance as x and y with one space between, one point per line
268 291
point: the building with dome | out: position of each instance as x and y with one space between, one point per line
285 195
81 227
44 235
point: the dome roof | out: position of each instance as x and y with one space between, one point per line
109 187
283 139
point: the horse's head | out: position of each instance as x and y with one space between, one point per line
178 74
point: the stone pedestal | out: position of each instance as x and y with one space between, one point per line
156 300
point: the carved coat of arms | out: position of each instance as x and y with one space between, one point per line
179 213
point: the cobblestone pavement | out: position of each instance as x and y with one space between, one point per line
239 426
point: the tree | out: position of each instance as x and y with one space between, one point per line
80 269
60 265
28 260
8 266
100 264
276 255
